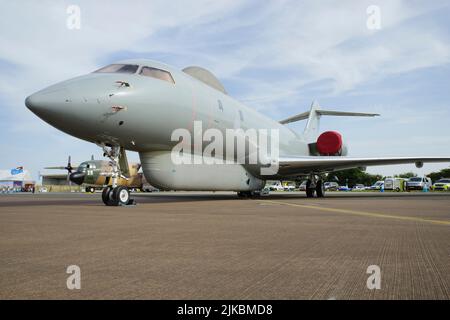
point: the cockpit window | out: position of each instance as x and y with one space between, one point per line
119 68
157 73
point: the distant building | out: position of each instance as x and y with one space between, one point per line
55 180
17 178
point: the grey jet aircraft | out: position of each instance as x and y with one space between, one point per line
138 104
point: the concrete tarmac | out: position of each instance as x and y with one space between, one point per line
214 246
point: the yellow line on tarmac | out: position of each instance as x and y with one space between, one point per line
360 213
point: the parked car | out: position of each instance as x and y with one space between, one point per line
344 188
148 188
377 185
331 186
289 187
442 185
302 186
359 187
418 183
276 186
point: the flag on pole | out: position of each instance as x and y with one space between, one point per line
17 170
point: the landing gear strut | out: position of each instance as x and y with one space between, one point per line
320 189
115 195
314 185
310 189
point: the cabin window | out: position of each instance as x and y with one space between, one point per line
119 68
156 73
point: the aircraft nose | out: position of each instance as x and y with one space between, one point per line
77 177
46 102
34 102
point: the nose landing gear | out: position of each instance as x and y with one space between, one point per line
115 195
118 196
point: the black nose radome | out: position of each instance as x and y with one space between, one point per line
77 177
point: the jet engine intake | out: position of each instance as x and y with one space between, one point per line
331 143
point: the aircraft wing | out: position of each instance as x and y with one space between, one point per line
305 165
55 176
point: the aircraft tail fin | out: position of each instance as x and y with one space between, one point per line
313 115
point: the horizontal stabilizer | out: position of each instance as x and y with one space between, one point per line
298 117
313 115
345 114
305 115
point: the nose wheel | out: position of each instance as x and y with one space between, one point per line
118 196
107 196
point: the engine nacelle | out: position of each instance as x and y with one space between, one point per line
161 172
331 143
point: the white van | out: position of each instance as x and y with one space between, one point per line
418 183
394 184
377 186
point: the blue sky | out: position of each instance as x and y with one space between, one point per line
275 56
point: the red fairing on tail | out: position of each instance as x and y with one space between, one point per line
329 143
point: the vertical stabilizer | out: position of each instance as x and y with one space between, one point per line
312 126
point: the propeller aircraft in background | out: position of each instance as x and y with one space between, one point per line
96 174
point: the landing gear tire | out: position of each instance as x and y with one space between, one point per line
121 196
90 189
309 191
242 195
247 194
107 194
320 189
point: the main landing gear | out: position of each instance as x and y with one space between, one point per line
314 185
247 194
90 189
115 195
